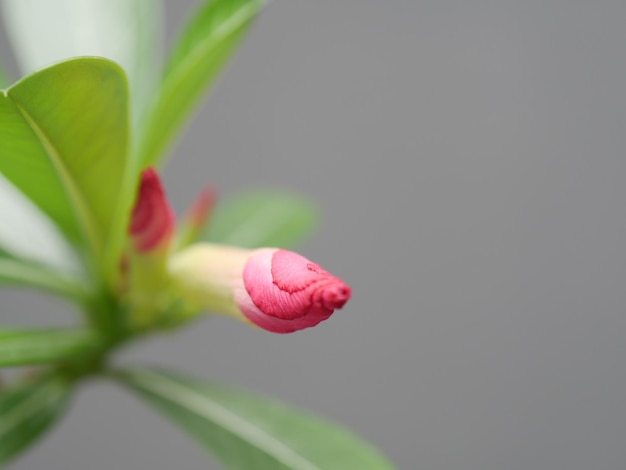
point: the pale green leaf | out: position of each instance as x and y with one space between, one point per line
63 143
247 432
200 54
128 32
44 346
5 81
27 234
262 218
28 411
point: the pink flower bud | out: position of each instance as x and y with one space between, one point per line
152 222
285 292
274 289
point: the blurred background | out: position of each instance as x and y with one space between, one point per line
469 161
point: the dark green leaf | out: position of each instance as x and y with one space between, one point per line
27 411
63 143
262 218
43 346
201 53
247 432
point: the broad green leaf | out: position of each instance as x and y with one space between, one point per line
28 411
262 218
28 235
128 32
247 432
200 54
43 346
63 143
5 81
21 272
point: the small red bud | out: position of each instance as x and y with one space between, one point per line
201 209
153 222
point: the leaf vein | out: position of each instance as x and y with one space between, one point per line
214 411
77 199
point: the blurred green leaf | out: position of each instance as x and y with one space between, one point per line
27 411
200 54
262 218
125 31
43 346
5 81
247 432
22 272
63 143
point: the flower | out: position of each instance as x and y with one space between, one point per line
274 289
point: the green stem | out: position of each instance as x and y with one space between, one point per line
95 361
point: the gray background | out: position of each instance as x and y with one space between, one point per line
468 157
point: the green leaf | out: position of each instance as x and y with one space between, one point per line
44 346
5 81
125 31
249 432
27 411
201 53
262 218
63 143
